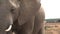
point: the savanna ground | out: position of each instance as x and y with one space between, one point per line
51 28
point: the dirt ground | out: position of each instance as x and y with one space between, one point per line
51 28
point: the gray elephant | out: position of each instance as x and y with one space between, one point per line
30 19
23 16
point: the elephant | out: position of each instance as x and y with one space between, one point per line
21 17
31 18
38 24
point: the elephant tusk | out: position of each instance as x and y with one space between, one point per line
14 3
9 28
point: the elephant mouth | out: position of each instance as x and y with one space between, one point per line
9 28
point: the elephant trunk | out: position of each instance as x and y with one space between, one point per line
11 22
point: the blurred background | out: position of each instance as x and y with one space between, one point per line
51 8
52 16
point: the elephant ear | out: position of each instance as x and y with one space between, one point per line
14 3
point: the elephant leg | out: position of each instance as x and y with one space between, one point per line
39 19
27 28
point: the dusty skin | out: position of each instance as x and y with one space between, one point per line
21 17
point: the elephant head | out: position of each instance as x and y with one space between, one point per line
22 10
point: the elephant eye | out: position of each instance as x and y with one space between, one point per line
12 10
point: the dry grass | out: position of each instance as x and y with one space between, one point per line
52 28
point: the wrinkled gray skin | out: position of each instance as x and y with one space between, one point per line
5 22
31 18
35 28
39 20
25 15
5 17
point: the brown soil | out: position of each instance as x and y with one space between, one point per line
51 28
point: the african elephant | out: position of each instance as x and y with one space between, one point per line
21 15
38 24
31 18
